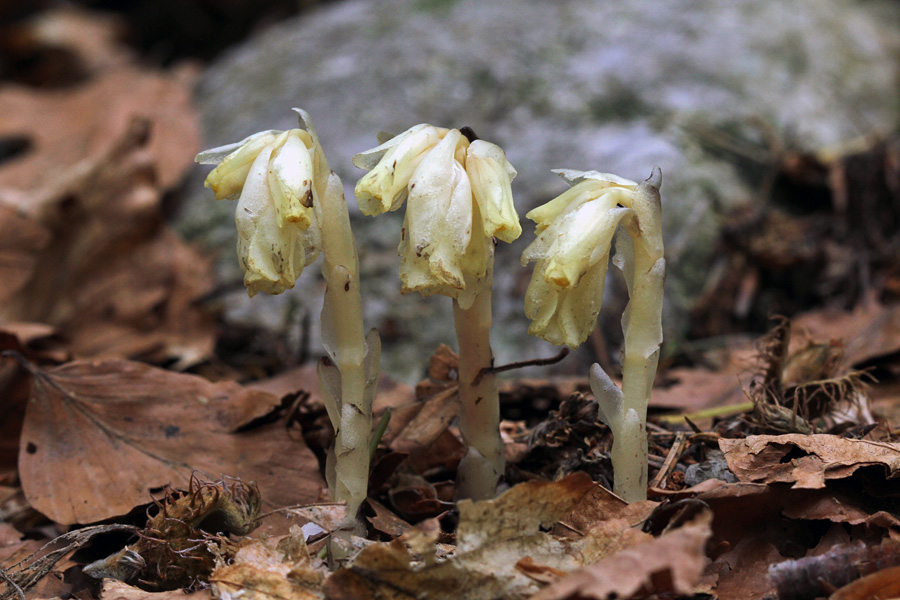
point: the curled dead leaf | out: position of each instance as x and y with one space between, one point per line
807 461
87 250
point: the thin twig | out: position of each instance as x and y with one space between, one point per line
33 567
534 362
9 581
297 507
671 460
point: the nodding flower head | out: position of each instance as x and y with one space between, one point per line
276 177
458 195
574 237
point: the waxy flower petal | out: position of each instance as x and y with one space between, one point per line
458 196
291 179
274 175
227 179
575 233
491 176
384 188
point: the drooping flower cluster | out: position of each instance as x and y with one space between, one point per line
574 238
458 197
277 177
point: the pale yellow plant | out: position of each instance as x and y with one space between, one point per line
572 250
291 207
275 175
458 197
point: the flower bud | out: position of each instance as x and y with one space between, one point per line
575 233
274 175
458 197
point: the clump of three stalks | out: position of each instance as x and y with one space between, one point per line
459 199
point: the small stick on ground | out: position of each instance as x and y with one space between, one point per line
534 362
671 460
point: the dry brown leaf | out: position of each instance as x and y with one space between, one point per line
756 525
36 342
882 584
742 573
695 389
262 570
672 563
493 535
600 505
13 546
99 436
111 277
21 242
385 521
807 461
605 523
523 511
431 419
837 507
117 590
89 252
78 126
868 331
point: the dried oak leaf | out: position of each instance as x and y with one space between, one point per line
672 563
36 342
100 435
807 461
492 537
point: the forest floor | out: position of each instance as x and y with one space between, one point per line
773 440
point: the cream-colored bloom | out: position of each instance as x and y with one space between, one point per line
276 177
458 197
575 232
